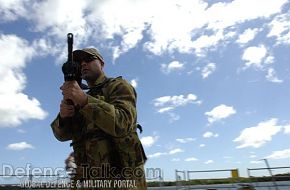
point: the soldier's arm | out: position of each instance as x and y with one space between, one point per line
61 130
116 115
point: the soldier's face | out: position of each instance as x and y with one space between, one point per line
91 70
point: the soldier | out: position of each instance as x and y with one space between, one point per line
102 126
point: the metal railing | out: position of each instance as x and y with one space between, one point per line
273 180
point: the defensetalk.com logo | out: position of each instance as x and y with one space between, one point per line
106 171
102 172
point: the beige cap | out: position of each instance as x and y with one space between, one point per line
79 55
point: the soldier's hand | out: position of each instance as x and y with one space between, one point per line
72 91
66 110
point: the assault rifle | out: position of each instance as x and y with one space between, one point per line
71 69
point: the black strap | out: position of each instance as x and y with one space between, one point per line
140 128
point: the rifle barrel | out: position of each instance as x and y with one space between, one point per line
70 46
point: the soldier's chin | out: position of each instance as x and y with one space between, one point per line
85 76
88 77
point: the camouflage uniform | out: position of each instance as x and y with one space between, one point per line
103 134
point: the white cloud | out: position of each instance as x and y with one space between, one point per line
107 19
179 36
167 104
13 9
175 101
281 154
134 83
254 56
209 162
215 18
202 145
256 162
220 112
241 10
47 47
165 109
209 134
258 58
15 106
170 152
156 155
21 131
173 117
280 28
202 43
58 18
269 59
175 151
272 76
190 159
253 156
258 135
175 159
149 140
208 70
185 140
287 129
171 67
19 146
247 35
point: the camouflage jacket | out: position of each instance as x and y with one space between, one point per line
104 130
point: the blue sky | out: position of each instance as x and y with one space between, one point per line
212 77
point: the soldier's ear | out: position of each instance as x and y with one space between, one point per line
102 65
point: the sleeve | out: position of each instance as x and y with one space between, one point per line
117 113
61 131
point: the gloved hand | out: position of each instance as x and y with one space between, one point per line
72 91
66 110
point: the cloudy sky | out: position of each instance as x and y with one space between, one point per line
212 77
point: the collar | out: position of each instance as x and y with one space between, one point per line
101 79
